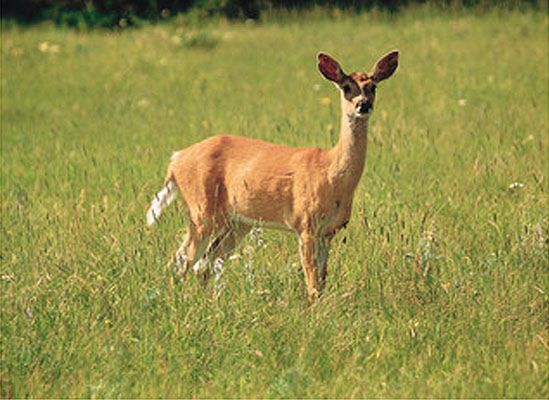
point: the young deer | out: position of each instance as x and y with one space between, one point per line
230 184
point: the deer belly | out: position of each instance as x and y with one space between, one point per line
267 203
257 222
265 212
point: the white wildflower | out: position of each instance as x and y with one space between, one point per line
516 185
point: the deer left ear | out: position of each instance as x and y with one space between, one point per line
385 66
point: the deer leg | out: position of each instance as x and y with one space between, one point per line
322 250
191 250
221 247
181 260
307 245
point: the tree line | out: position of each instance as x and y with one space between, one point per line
110 13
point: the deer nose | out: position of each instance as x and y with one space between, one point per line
365 106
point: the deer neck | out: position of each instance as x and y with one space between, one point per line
349 154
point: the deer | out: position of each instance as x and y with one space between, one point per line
230 184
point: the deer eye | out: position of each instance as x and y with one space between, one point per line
370 89
346 90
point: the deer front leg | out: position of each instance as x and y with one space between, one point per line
307 245
322 251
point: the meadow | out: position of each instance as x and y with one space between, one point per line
437 288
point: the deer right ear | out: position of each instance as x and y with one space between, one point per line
330 68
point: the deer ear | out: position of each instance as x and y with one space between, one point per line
385 66
330 68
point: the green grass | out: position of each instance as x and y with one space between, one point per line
441 288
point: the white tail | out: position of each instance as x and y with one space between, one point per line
161 200
230 183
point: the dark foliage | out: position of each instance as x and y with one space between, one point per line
111 13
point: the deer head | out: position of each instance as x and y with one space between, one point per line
358 89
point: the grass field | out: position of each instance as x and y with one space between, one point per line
440 288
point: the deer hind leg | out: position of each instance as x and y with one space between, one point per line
191 251
221 247
202 268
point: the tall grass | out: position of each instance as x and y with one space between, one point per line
437 288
